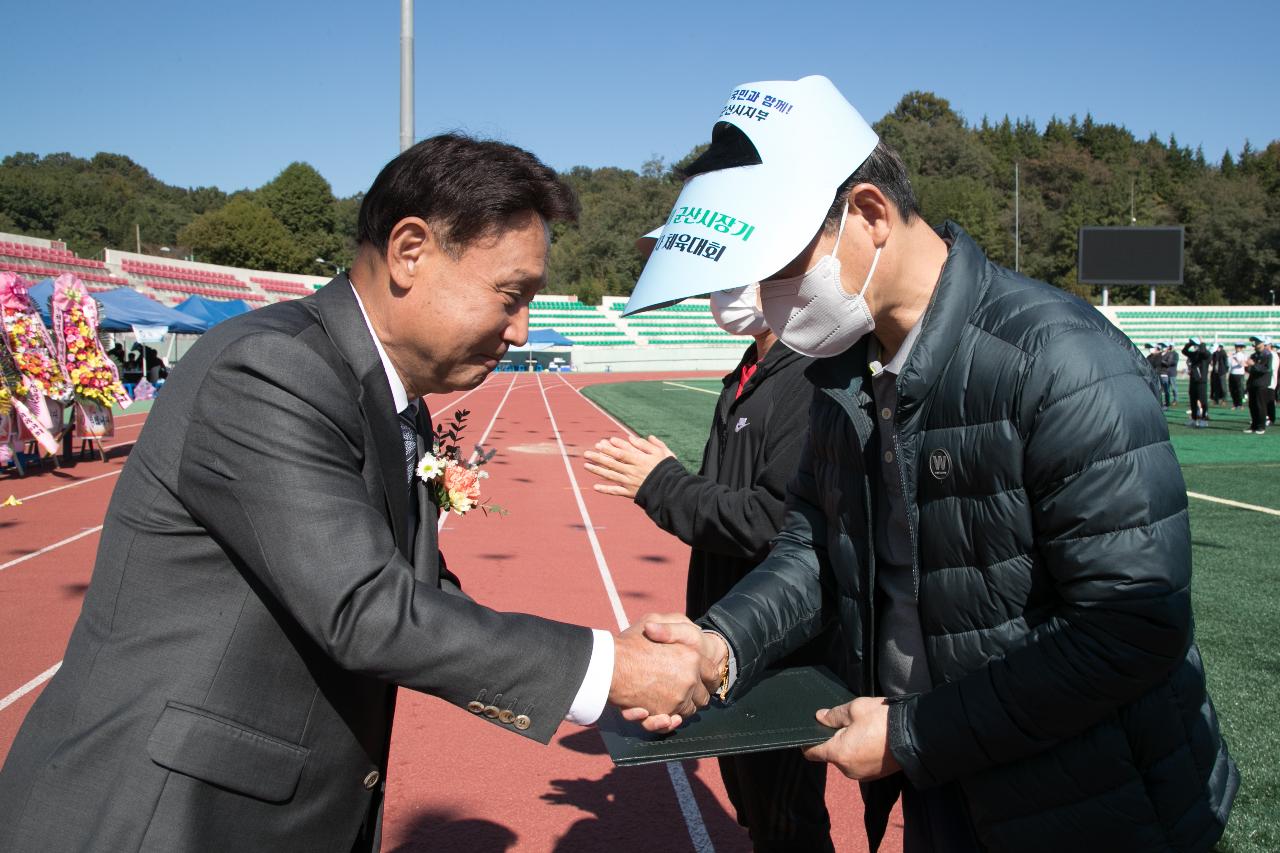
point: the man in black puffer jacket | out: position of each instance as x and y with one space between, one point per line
1001 532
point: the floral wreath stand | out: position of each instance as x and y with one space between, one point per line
93 424
95 379
37 441
11 444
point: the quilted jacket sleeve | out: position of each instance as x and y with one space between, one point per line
1109 513
784 601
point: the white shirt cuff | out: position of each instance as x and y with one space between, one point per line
588 705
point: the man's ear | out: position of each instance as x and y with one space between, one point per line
873 211
409 246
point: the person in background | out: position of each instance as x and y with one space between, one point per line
1197 382
131 373
116 354
1235 375
1155 358
1217 370
728 513
1169 385
1258 367
1275 382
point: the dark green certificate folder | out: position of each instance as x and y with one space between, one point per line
777 713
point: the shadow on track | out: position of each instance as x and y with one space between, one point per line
442 830
621 808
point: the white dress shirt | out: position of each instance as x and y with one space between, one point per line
594 692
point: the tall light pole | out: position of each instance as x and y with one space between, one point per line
337 269
406 74
1017 222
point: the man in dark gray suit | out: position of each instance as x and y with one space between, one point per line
268 571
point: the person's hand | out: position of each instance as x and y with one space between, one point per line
860 749
625 463
657 683
681 630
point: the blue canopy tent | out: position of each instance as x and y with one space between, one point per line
544 338
540 340
212 311
124 308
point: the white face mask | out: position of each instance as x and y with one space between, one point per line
736 311
812 314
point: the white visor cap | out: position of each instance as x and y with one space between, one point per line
739 225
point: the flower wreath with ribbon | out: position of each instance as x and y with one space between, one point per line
94 377
40 384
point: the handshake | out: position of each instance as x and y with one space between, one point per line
664 668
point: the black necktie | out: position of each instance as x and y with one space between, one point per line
409 432
410 435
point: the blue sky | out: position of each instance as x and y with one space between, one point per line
229 93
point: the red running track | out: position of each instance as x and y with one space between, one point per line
453 783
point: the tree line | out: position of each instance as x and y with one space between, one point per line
1073 172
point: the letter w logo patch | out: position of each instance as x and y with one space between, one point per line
940 464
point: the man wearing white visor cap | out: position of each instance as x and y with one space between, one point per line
987 505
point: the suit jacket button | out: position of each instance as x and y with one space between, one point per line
507 715
475 707
371 780
523 722
491 711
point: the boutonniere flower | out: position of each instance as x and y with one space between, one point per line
455 483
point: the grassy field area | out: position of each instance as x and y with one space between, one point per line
1236 554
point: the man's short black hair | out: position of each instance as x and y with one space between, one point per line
465 188
883 169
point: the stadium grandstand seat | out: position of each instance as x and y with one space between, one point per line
168 287
587 325
95 282
276 285
1212 324
39 256
167 272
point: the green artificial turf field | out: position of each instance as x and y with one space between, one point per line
1236 585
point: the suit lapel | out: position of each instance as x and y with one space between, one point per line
340 315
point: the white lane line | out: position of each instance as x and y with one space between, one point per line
70 485
691 388
1236 504
619 614
46 549
474 454
29 686
689 808
619 424
679 779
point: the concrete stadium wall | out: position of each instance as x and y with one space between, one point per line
630 359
